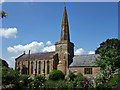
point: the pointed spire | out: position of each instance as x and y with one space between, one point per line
65 27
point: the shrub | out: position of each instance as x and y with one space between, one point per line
112 83
39 78
71 76
81 82
38 82
25 80
56 75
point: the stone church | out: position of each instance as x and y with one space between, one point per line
62 58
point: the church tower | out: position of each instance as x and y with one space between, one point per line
64 47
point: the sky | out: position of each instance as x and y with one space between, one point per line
36 26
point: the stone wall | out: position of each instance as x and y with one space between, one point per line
77 70
24 63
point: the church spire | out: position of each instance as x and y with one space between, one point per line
65 27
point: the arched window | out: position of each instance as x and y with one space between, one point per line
39 67
32 67
48 66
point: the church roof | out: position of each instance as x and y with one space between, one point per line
37 56
84 60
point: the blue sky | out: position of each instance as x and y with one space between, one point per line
35 23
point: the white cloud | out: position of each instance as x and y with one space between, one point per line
2 1
91 52
79 51
8 33
34 47
49 43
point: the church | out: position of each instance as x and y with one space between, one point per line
62 58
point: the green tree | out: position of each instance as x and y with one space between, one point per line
109 61
109 52
10 76
3 63
3 14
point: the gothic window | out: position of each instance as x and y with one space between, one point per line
88 70
18 63
48 67
32 67
39 67
36 68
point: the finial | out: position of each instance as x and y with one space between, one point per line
65 4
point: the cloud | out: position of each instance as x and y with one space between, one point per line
49 43
2 1
79 51
91 52
34 47
8 33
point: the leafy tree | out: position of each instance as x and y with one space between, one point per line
10 76
109 52
3 14
3 63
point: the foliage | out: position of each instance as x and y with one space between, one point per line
110 43
82 82
25 80
109 52
3 14
71 76
56 75
10 76
3 63
58 84
38 82
106 74
112 83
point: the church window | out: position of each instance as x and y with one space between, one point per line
18 63
32 67
88 70
39 67
48 67
36 68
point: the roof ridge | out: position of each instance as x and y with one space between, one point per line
42 52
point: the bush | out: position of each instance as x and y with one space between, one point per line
81 82
38 82
112 83
25 80
71 76
56 75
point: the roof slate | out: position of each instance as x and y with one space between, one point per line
84 60
37 56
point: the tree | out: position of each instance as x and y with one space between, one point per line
109 61
3 63
10 76
109 52
3 14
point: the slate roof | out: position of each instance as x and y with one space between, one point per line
37 56
84 60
